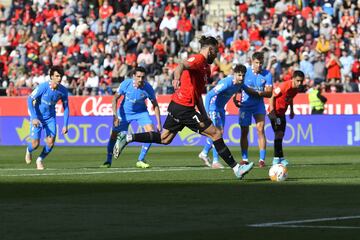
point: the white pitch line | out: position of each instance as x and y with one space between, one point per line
105 172
314 226
283 224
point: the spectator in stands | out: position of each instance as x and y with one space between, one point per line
322 45
333 66
346 62
306 66
145 60
11 91
92 83
319 69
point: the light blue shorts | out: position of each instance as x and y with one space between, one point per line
245 114
49 126
125 119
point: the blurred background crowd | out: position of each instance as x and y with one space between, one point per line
99 42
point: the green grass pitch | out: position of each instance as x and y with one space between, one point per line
178 198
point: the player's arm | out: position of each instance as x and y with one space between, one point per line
219 88
157 114
177 73
268 89
190 63
272 114
266 93
114 104
65 103
200 106
38 91
321 97
208 98
272 100
151 96
292 114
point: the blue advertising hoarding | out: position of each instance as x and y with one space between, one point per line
303 130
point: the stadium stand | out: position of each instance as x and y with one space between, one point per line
100 42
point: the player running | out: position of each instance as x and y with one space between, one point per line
133 108
215 102
257 85
190 78
283 97
41 105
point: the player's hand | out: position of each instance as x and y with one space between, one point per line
176 84
272 115
292 115
36 122
116 121
236 101
64 130
159 127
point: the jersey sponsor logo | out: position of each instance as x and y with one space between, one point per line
191 59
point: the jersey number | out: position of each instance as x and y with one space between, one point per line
196 118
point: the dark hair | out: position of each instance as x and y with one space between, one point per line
208 41
139 69
57 69
240 68
259 56
298 73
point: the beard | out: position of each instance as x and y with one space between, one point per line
210 59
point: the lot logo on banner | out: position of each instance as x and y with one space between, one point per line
24 131
353 133
189 138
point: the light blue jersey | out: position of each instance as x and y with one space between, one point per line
133 107
253 105
215 102
41 105
256 82
134 101
217 97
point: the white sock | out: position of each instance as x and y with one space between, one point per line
236 168
129 138
246 160
39 160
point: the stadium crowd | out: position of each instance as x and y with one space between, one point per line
99 42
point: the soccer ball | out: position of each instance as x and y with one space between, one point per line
278 173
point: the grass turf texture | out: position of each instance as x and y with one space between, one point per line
177 198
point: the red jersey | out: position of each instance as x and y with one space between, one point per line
192 81
284 94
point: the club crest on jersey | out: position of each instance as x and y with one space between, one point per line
262 81
277 90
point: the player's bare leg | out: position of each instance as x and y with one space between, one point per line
34 145
49 144
141 163
215 134
260 124
244 144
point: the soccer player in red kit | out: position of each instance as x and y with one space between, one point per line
190 78
283 97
